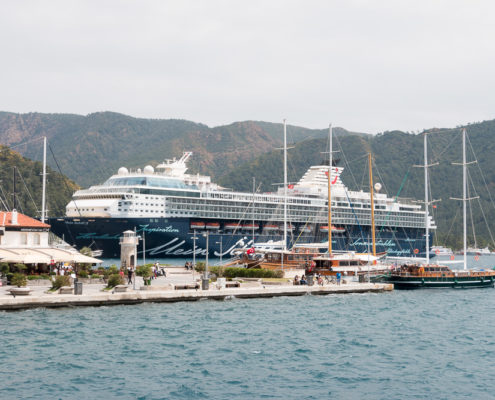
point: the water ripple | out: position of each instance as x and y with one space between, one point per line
407 345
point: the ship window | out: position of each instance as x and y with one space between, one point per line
23 238
161 182
36 238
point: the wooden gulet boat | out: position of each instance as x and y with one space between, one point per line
430 276
347 263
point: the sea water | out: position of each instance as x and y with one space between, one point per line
398 345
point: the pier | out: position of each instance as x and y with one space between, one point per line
172 289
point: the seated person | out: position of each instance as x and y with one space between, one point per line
296 280
303 280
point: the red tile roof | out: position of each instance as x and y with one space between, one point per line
22 221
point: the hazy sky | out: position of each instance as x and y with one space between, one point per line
364 65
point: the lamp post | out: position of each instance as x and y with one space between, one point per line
144 248
205 283
221 249
194 251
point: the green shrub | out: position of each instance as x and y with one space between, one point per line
9 276
19 280
19 267
114 280
62 280
83 274
35 277
144 271
200 266
112 270
4 268
233 272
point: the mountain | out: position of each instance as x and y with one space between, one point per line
90 148
59 188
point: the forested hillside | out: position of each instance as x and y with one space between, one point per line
90 148
395 154
59 189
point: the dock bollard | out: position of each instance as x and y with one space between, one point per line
310 280
205 283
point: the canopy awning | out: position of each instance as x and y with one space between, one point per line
44 255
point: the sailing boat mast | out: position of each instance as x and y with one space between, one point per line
285 187
427 233
43 195
330 161
464 195
372 207
464 185
254 188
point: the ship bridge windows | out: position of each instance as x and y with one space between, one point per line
160 182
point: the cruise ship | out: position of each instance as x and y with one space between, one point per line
176 214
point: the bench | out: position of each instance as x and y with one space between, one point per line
187 286
66 290
20 291
232 284
120 289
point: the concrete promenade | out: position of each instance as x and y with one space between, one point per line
163 290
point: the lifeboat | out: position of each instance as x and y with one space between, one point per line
271 228
212 225
306 229
250 227
334 229
197 225
231 226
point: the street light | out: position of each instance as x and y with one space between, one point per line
194 250
205 282
221 250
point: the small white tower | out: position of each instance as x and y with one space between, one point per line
128 249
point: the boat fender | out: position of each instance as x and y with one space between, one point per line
423 281
482 279
491 279
455 282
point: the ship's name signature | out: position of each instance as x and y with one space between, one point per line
174 248
142 228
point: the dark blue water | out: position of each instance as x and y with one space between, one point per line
400 345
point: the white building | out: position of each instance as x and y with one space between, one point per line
18 230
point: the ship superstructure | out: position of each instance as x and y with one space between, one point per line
168 205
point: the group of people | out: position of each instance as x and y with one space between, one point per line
188 266
301 281
62 269
157 270
318 277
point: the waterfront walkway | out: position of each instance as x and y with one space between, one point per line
169 289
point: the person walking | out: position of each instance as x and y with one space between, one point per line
129 275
